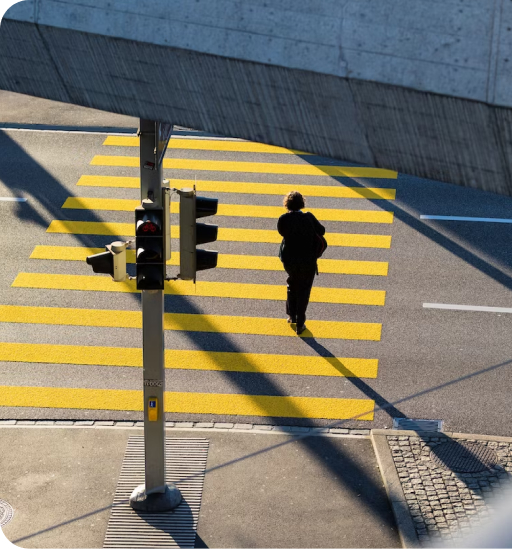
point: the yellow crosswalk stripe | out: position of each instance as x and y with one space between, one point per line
190 403
235 210
202 288
249 167
321 329
240 187
206 145
192 360
230 235
225 261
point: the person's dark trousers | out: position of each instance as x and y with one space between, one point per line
300 280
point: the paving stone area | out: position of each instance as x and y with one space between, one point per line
446 506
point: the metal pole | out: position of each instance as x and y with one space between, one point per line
152 327
164 496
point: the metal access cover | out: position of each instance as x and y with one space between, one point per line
464 457
6 512
405 424
185 465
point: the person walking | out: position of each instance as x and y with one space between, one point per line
298 254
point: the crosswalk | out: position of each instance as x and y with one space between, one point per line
359 228
234 290
225 261
230 235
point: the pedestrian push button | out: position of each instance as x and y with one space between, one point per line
153 409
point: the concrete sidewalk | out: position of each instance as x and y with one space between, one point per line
263 488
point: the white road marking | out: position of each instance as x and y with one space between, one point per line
467 308
456 218
77 131
12 199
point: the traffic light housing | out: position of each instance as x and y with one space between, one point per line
192 234
149 246
112 262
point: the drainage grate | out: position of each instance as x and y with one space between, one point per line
185 461
404 424
464 457
6 512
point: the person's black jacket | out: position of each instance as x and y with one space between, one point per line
298 230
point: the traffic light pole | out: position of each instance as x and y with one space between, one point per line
155 495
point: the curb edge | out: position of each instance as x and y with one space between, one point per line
406 529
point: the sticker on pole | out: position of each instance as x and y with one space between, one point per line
153 383
149 165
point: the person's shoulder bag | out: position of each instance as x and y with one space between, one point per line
281 248
320 242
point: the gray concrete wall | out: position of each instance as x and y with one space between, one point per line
421 86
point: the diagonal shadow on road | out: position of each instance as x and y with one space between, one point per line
23 175
275 446
46 189
41 192
466 253
380 401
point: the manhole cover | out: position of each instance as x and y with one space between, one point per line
6 512
464 457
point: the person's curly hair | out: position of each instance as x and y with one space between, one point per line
294 201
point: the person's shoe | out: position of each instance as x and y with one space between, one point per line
291 320
300 329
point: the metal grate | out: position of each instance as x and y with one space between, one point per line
404 424
185 460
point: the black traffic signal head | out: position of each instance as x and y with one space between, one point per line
192 234
102 263
149 247
206 206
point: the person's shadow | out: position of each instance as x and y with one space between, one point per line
336 363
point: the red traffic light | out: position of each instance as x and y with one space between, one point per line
149 223
148 227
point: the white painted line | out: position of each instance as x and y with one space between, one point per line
456 218
12 199
467 308
207 138
77 131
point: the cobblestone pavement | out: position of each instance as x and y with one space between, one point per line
446 505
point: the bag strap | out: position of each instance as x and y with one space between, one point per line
311 221
316 234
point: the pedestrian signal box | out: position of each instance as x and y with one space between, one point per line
149 246
192 234
112 262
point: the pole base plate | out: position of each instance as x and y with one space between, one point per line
155 502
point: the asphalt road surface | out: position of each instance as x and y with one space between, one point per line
71 339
